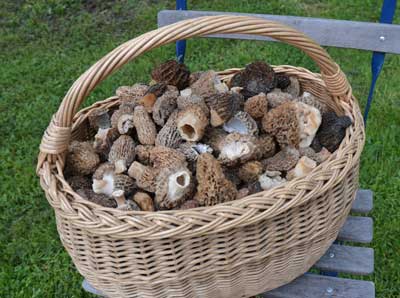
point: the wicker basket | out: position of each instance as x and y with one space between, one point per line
236 249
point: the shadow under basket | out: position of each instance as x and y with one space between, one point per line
235 249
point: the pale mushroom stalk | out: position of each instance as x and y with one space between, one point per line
119 197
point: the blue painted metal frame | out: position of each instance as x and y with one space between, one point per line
378 58
181 44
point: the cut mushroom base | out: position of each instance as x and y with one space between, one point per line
177 184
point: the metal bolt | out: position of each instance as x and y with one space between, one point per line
382 38
331 255
329 290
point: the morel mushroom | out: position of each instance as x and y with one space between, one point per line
130 94
311 100
294 88
237 148
161 157
284 160
189 204
223 106
143 153
191 123
103 141
111 182
282 81
122 153
304 166
99 118
277 97
172 73
82 158
169 135
125 123
257 77
250 171
257 106
165 105
208 84
144 176
145 127
332 130
144 201
270 179
123 203
173 184
292 124
213 188
241 123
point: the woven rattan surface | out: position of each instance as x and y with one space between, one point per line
236 249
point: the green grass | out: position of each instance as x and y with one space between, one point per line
46 45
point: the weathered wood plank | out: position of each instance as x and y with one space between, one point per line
328 32
363 202
347 259
318 286
357 229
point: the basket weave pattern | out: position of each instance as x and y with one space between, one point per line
236 249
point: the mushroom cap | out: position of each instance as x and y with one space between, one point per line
189 204
102 169
267 146
79 182
213 187
208 84
143 153
145 128
122 110
144 176
282 81
236 148
257 106
168 135
332 130
122 153
191 123
284 160
103 141
99 118
172 73
223 106
165 105
144 201
161 157
250 171
82 158
294 88
241 123
283 123
277 98
173 185
309 120
268 182
131 93
304 166
313 101
257 77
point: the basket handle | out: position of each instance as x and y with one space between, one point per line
57 136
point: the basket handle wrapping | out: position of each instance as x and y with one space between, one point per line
57 136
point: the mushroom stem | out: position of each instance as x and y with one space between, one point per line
120 166
119 197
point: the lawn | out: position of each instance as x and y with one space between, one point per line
46 45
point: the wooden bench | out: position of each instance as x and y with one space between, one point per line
342 258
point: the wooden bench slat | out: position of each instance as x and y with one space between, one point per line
363 202
347 259
357 229
318 286
327 32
